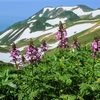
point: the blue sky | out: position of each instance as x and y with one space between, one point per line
12 11
26 8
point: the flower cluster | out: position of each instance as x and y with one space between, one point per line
15 54
32 53
95 46
44 46
61 36
76 44
64 43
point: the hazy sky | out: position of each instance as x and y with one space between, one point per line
27 8
12 11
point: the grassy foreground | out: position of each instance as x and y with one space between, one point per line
66 75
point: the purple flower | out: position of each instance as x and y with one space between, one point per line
61 36
64 43
15 54
44 46
58 36
94 46
76 44
99 49
32 53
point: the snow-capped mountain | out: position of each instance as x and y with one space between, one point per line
44 25
46 21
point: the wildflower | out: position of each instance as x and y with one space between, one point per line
95 46
22 61
61 36
61 32
64 43
76 43
15 54
32 53
44 46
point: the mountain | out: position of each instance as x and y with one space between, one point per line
43 25
46 21
85 8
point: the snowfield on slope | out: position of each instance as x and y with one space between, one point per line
5 57
70 31
5 33
67 7
54 21
78 28
80 12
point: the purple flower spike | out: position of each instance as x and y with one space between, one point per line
95 46
61 36
32 53
15 54
44 46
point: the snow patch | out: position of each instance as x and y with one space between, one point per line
78 28
13 33
31 25
5 33
95 13
32 21
47 8
40 15
26 34
80 12
5 57
56 21
48 28
16 33
67 8
33 16
51 16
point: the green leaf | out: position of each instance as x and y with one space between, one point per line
33 94
12 85
25 98
2 96
2 74
68 81
9 83
20 96
71 97
68 97
13 75
84 87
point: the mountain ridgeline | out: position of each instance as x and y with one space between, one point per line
46 19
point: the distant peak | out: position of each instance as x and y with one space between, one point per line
85 8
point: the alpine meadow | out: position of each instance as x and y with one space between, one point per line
52 55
